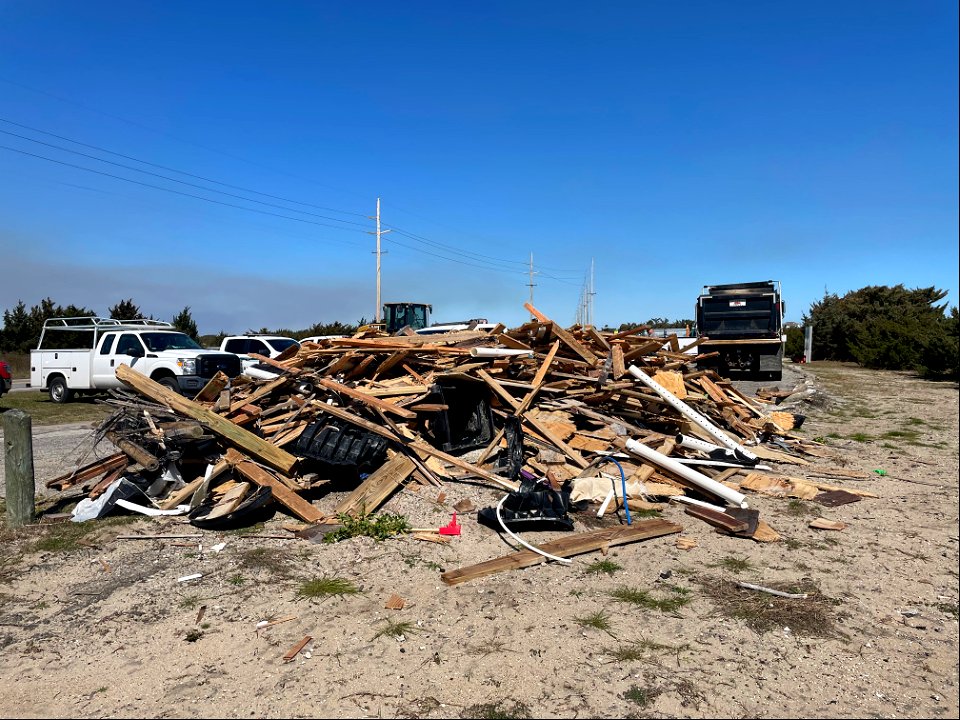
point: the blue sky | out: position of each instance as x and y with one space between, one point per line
670 144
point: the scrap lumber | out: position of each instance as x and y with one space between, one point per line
365 399
211 391
373 491
565 547
564 336
281 492
716 519
88 471
257 447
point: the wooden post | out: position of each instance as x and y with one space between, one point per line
18 452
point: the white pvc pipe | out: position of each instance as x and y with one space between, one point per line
696 444
692 414
731 497
499 352
693 501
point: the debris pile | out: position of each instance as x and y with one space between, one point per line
565 416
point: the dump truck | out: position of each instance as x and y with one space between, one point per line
740 326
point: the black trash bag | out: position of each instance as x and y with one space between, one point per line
339 451
534 506
513 431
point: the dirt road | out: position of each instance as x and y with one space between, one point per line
93 625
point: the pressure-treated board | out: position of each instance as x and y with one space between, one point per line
565 547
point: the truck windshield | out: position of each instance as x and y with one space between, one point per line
159 341
281 344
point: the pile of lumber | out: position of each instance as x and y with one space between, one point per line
573 392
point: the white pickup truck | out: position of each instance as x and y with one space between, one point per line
81 354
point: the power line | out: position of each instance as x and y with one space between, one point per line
179 172
477 257
249 209
171 190
170 179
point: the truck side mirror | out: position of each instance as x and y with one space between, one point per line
135 352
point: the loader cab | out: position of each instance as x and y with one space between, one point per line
397 316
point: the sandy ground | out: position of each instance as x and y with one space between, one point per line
104 626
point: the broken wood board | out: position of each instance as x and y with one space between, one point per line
824 524
255 446
88 471
373 491
716 519
281 493
565 547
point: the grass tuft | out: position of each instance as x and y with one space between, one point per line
326 587
608 567
396 629
499 710
643 598
379 527
598 620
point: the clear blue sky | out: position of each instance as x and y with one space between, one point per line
672 144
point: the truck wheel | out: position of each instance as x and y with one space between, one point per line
170 383
59 392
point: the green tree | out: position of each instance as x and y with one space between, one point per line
883 327
125 310
20 331
183 321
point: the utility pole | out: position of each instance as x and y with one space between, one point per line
592 293
531 283
378 233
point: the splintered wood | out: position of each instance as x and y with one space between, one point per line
373 413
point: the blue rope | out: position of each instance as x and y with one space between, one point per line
623 483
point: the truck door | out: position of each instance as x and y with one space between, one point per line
130 351
103 369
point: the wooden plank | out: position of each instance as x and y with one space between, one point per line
512 343
716 519
373 491
229 502
499 390
368 400
211 391
281 493
565 337
617 361
295 650
395 359
255 446
260 392
545 366
565 547
179 496
645 348
88 471
275 363
597 337
540 429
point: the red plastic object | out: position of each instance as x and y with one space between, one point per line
452 529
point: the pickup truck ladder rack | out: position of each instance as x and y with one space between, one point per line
98 323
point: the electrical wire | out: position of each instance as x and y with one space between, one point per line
182 182
520 540
179 172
